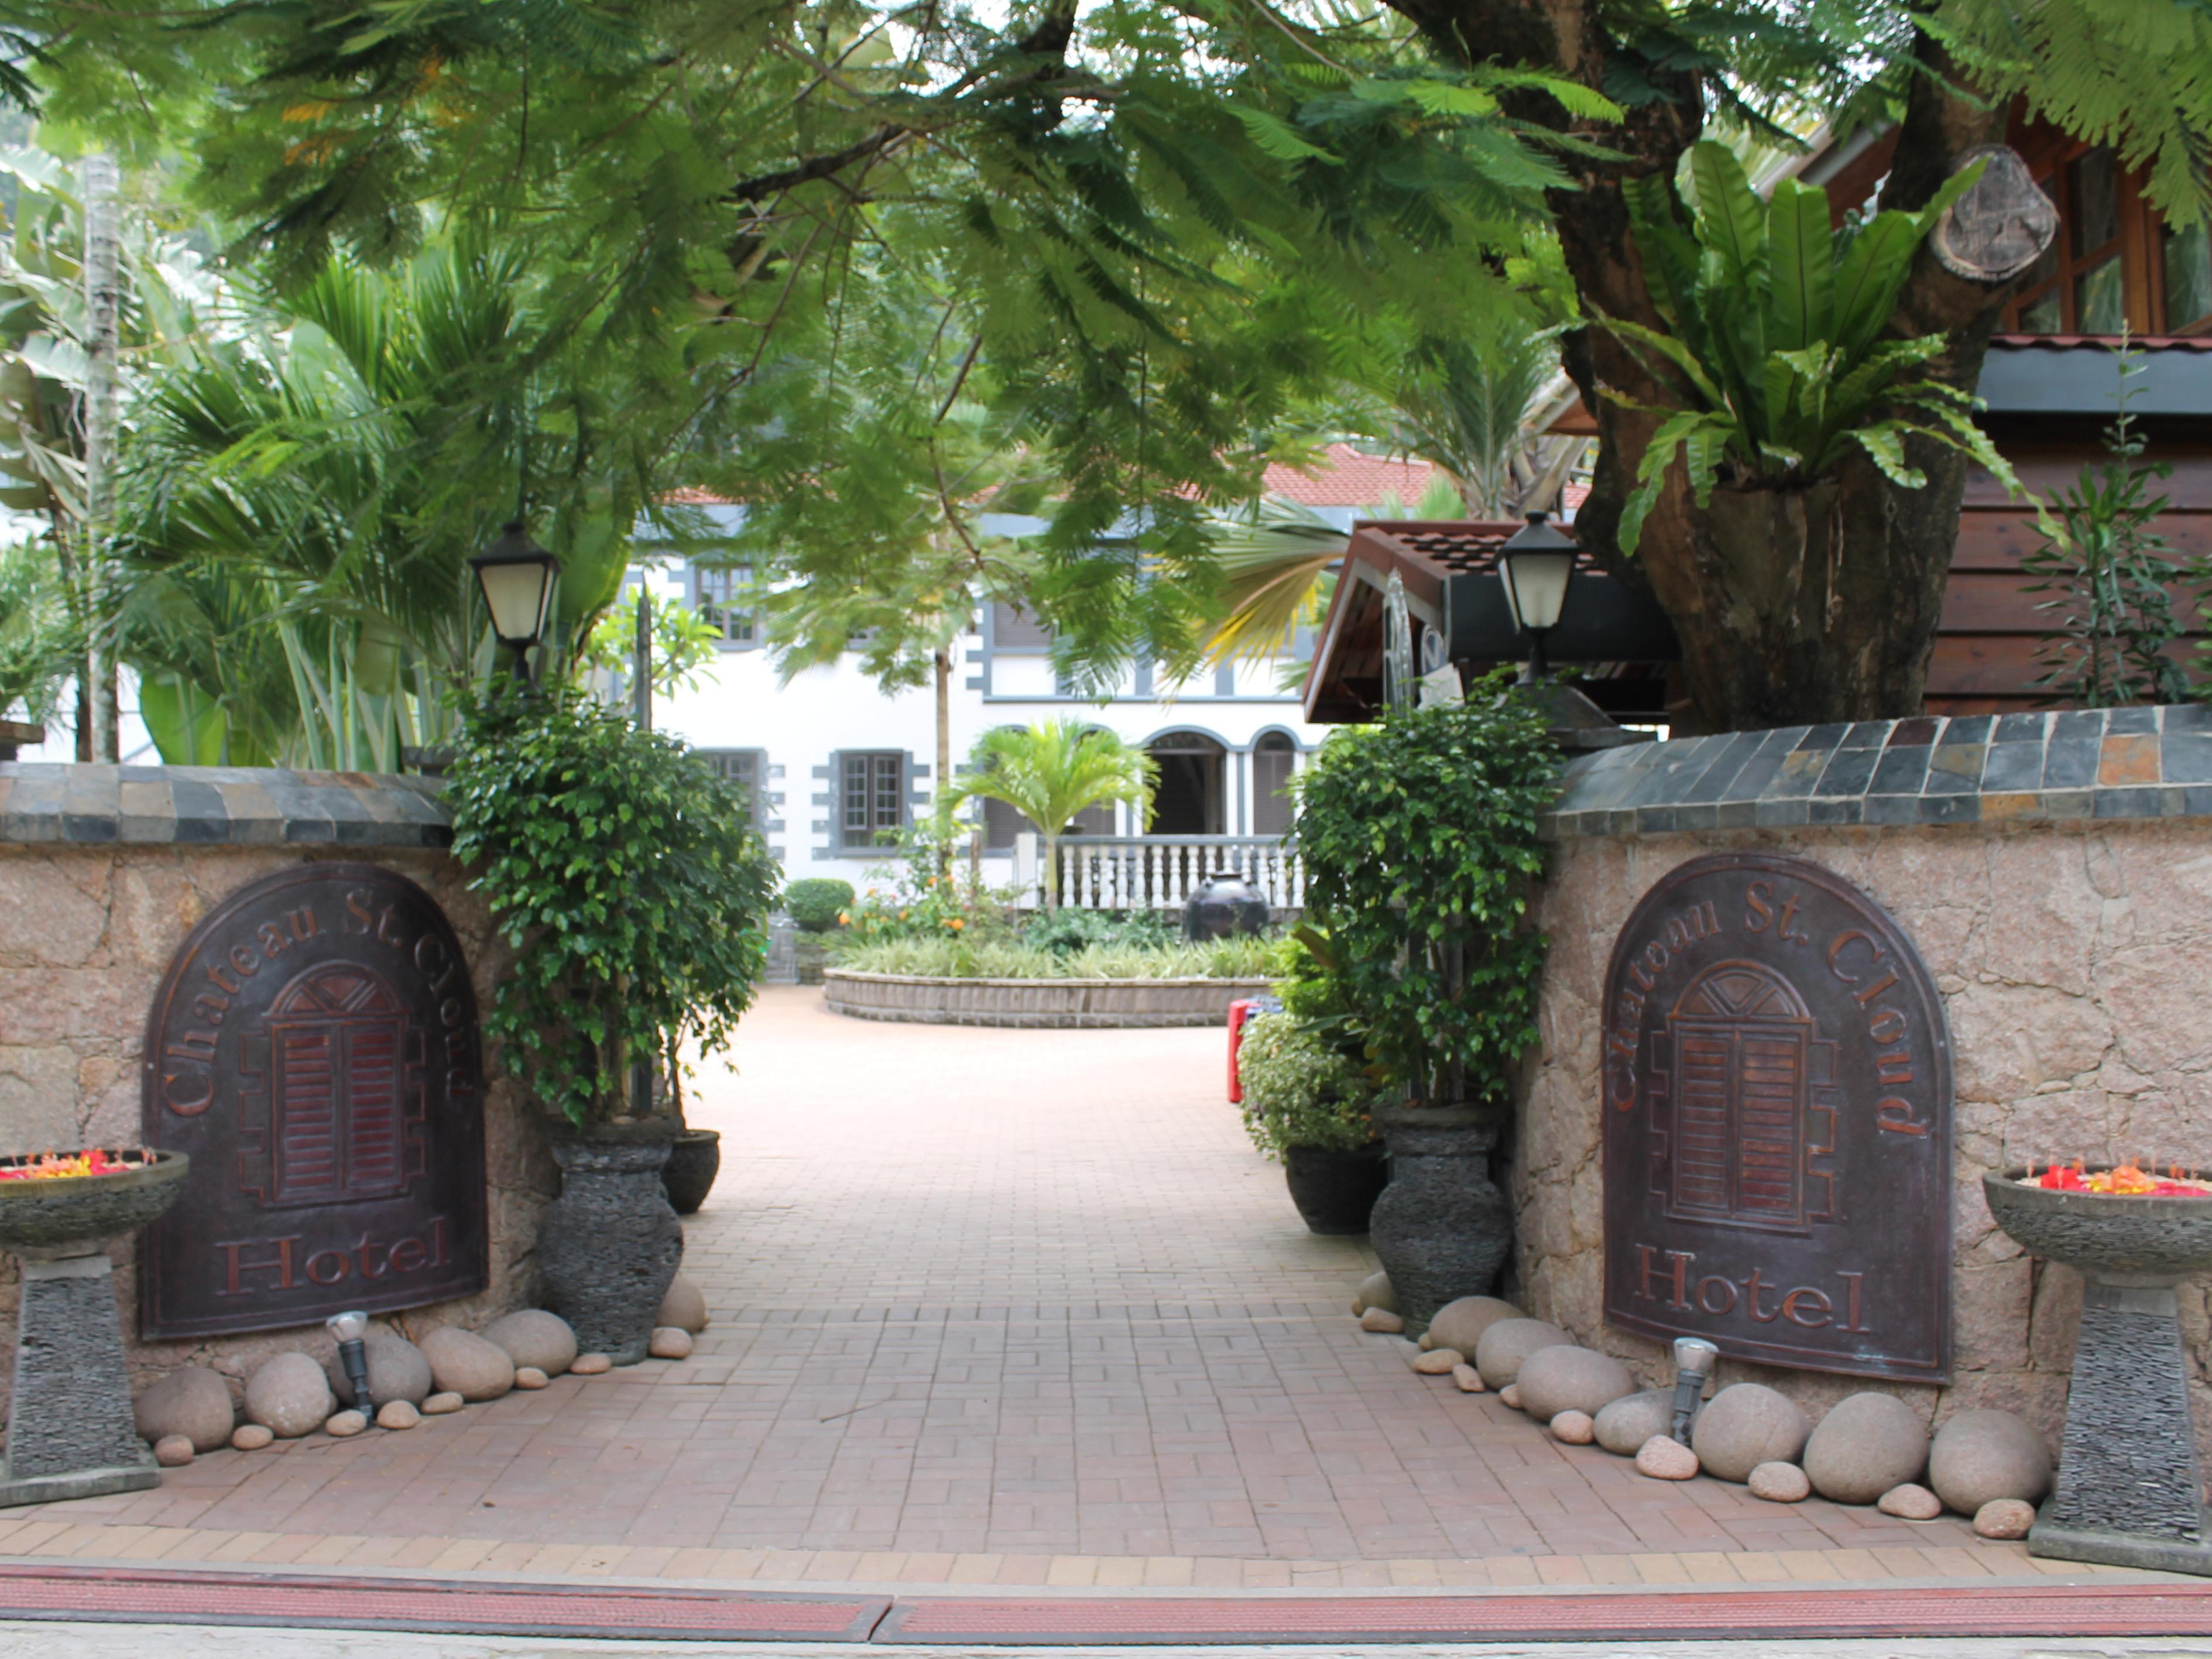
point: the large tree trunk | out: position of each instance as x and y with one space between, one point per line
1836 619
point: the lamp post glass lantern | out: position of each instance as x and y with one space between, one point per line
517 577
1535 565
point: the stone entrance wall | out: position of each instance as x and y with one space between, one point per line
2055 872
103 872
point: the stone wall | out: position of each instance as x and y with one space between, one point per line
2067 920
103 874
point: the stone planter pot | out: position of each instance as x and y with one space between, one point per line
2128 1494
1335 1189
810 952
610 1245
71 1432
694 1160
1441 1228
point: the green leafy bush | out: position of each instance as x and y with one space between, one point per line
622 870
960 958
1299 1089
1063 931
1419 838
818 903
2112 622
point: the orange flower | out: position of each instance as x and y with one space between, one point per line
956 924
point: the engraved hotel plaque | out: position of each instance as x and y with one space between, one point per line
1777 1124
314 1048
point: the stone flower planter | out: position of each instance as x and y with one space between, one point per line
71 1432
2128 1492
611 1244
1335 1187
694 1160
1035 1002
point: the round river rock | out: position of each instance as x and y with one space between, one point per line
1626 1423
463 1363
536 1338
288 1396
397 1371
1780 1483
1461 1324
1744 1425
1982 1455
1567 1378
192 1401
1508 1343
1867 1444
683 1307
1663 1459
1375 1291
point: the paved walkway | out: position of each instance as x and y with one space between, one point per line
1000 1307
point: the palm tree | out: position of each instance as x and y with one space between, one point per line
317 487
1050 772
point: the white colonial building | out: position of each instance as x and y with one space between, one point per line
833 762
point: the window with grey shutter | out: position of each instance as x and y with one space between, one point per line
1013 629
870 798
744 767
719 595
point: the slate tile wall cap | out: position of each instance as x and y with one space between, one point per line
55 801
2008 771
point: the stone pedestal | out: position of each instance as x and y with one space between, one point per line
70 1431
2129 1493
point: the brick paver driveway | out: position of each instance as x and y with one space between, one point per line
1013 1307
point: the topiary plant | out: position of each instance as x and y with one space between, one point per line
622 870
817 903
1299 1091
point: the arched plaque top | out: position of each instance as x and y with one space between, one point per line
1776 1141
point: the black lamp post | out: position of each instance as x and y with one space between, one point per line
1535 565
517 578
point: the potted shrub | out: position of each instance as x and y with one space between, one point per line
817 906
1306 1104
1419 838
622 870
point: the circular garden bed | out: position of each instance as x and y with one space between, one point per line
933 1000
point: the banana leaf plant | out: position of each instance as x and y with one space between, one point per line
1774 349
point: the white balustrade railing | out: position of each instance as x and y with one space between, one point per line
1160 872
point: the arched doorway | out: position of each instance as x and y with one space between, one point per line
1187 800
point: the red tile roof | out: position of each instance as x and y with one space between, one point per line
2106 342
1344 477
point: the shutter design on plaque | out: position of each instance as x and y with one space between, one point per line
343 1090
1746 1079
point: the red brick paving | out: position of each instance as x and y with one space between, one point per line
1014 1300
